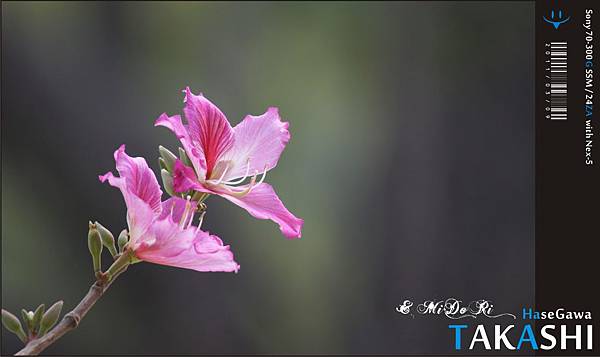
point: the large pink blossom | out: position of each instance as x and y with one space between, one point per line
162 232
224 158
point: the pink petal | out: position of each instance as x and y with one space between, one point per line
260 139
262 202
209 130
173 208
165 238
176 126
140 190
140 218
140 180
206 253
184 178
171 233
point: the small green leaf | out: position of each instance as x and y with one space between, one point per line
37 317
12 324
167 180
162 163
50 317
184 158
168 157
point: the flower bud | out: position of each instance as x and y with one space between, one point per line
95 246
123 239
27 317
37 317
184 158
108 240
167 180
12 324
50 317
168 157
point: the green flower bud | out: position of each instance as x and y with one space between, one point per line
108 240
37 317
168 157
184 158
95 246
50 317
167 180
27 317
12 324
123 239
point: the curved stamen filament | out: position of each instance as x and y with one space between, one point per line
201 220
262 179
183 222
240 194
251 185
223 174
172 209
242 179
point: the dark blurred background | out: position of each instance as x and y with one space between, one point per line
411 162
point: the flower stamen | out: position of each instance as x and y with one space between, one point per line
242 179
201 220
184 222
251 185
262 179
214 182
240 194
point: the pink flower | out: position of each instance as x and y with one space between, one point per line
223 158
162 232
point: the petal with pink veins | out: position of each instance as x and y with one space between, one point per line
262 203
259 142
140 190
208 129
140 180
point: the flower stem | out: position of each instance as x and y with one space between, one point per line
200 196
120 264
71 320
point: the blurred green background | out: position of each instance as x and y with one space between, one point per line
411 163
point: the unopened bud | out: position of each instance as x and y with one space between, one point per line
27 317
168 157
12 324
95 246
37 317
123 239
167 180
50 317
184 158
108 240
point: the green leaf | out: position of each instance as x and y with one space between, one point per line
167 180
37 317
168 157
12 324
184 158
50 317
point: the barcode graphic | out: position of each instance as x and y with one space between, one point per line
558 81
